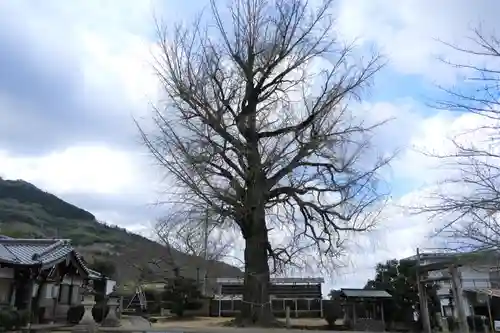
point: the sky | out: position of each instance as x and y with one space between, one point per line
74 74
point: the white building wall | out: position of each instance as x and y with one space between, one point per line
6 273
471 276
475 277
110 285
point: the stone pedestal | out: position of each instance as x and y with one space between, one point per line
111 319
444 325
87 323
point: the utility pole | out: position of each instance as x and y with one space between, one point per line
205 252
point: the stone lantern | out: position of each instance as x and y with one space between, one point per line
87 323
111 319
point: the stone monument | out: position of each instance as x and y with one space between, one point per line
87 324
111 319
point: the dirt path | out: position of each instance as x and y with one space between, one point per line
194 322
219 322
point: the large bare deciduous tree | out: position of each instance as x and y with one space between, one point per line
466 203
257 127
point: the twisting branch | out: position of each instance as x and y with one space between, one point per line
194 232
466 203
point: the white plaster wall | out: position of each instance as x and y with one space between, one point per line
6 273
475 277
75 280
472 277
76 296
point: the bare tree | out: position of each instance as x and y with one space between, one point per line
195 233
466 203
257 127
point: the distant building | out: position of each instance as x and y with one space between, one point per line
302 295
479 276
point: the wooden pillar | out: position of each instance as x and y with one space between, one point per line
55 296
422 297
353 313
33 274
492 325
12 293
382 313
456 287
121 308
31 289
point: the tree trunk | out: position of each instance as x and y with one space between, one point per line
256 307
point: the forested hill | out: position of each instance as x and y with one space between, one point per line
28 212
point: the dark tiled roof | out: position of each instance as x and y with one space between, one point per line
46 252
33 251
94 274
365 293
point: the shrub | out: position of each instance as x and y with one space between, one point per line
476 323
332 312
6 319
194 305
21 318
452 324
12 319
181 292
75 314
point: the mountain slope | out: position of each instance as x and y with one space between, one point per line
28 212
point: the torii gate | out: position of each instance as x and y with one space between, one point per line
450 262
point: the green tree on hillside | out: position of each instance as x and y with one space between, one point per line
105 267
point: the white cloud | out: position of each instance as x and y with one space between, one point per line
399 232
398 235
110 45
115 50
408 32
127 66
433 136
90 169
